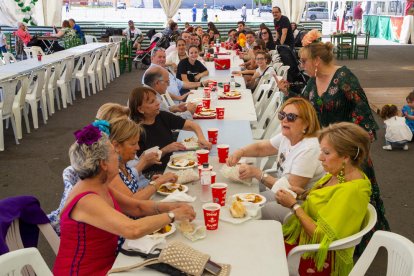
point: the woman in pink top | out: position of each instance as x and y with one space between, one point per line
23 34
95 215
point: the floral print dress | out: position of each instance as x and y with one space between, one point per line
345 101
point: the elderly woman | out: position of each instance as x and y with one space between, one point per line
95 215
297 151
158 126
174 58
336 206
191 69
335 93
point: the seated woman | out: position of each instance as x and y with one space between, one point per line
191 69
158 126
95 215
297 151
336 206
263 60
66 32
174 58
266 35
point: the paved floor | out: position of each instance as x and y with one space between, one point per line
34 167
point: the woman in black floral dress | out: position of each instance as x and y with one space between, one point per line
337 96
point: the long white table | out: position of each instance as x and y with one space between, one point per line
28 65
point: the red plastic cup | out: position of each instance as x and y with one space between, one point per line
199 108
202 156
226 87
219 191
210 168
211 215
206 103
223 152
208 55
212 135
39 57
217 49
207 91
213 177
223 44
215 83
220 112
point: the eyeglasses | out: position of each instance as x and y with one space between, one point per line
257 48
291 117
264 33
303 61
262 58
166 81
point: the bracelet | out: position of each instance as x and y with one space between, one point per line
262 176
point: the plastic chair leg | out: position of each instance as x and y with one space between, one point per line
18 119
33 108
82 87
26 118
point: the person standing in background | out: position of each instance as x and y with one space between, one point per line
284 33
244 13
204 17
358 11
194 11
179 17
3 42
408 6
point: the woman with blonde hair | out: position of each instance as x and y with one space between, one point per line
336 206
297 150
337 96
110 111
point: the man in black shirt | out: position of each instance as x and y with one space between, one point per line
283 28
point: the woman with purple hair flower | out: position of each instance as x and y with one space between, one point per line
95 215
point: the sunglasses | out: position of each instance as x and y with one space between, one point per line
257 48
291 117
264 33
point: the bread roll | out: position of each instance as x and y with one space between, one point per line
237 209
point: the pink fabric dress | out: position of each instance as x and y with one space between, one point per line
84 249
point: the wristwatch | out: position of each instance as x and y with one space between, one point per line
154 184
264 175
295 207
171 216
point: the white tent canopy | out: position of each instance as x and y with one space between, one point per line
293 9
170 7
46 13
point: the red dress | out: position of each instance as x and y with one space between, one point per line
84 249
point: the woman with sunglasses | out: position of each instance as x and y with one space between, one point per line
267 37
263 60
297 151
337 96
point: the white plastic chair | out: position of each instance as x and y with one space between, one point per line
108 63
92 74
116 38
400 254
35 94
20 107
100 69
115 60
283 71
277 66
296 253
81 74
90 39
6 105
13 262
32 52
269 113
65 80
52 91
9 58
45 91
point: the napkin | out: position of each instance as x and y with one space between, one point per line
146 244
191 155
155 149
283 184
178 196
232 173
198 233
187 176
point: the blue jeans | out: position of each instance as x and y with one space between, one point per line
194 17
3 49
396 145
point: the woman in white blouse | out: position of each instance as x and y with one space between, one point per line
176 56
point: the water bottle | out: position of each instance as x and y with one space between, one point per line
213 98
205 180
232 83
217 42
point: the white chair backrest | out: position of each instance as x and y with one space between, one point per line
13 262
83 64
95 60
9 58
36 81
277 65
283 71
116 38
296 253
104 53
90 39
67 68
48 74
116 54
8 94
29 52
55 74
21 94
110 54
263 100
269 112
400 254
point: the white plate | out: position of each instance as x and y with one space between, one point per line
170 165
226 216
158 235
185 189
243 197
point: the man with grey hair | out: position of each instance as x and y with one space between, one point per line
158 58
158 79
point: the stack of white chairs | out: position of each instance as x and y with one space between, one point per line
115 60
267 121
116 38
64 81
283 71
277 66
53 92
48 74
263 98
90 39
35 95
80 73
26 261
20 107
92 74
9 58
6 106
109 63
100 69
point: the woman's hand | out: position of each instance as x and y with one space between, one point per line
174 146
149 159
164 178
236 73
233 159
283 86
284 198
247 171
184 212
203 143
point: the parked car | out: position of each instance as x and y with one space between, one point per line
228 8
139 6
121 5
317 13
264 9
215 7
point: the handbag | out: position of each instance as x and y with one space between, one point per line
180 256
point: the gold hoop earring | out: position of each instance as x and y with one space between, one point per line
316 71
341 174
